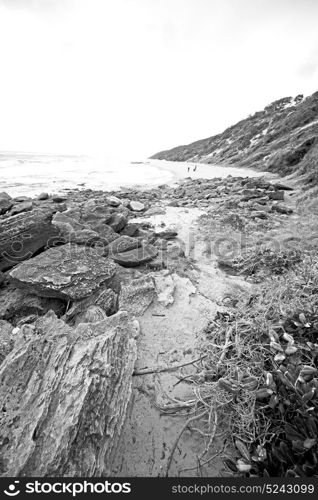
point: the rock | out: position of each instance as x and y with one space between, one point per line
2 278
66 393
136 257
130 230
70 231
21 199
276 195
136 206
6 203
173 203
43 196
261 201
15 304
165 289
259 214
284 187
92 315
113 201
116 221
24 234
25 206
59 198
154 211
70 272
281 209
106 232
136 296
248 194
122 244
168 234
6 339
104 298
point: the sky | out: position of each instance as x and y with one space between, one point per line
129 78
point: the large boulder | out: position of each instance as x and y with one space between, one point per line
6 203
24 234
136 257
64 394
70 272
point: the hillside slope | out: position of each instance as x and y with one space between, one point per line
282 138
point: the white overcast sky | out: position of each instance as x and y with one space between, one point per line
132 77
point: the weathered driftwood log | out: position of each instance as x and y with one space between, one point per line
63 396
24 234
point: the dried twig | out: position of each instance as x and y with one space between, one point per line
159 369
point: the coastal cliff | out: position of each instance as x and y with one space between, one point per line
282 138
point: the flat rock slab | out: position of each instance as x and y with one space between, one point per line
136 257
70 272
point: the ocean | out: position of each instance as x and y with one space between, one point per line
29 174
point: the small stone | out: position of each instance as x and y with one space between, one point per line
168 234
276 195
136 206
113 201
281 209
59 198
43 196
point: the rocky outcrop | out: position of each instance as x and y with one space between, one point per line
70 272
24 234
64 394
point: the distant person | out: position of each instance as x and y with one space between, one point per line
195 168
188 169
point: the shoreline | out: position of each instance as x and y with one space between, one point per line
58 176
